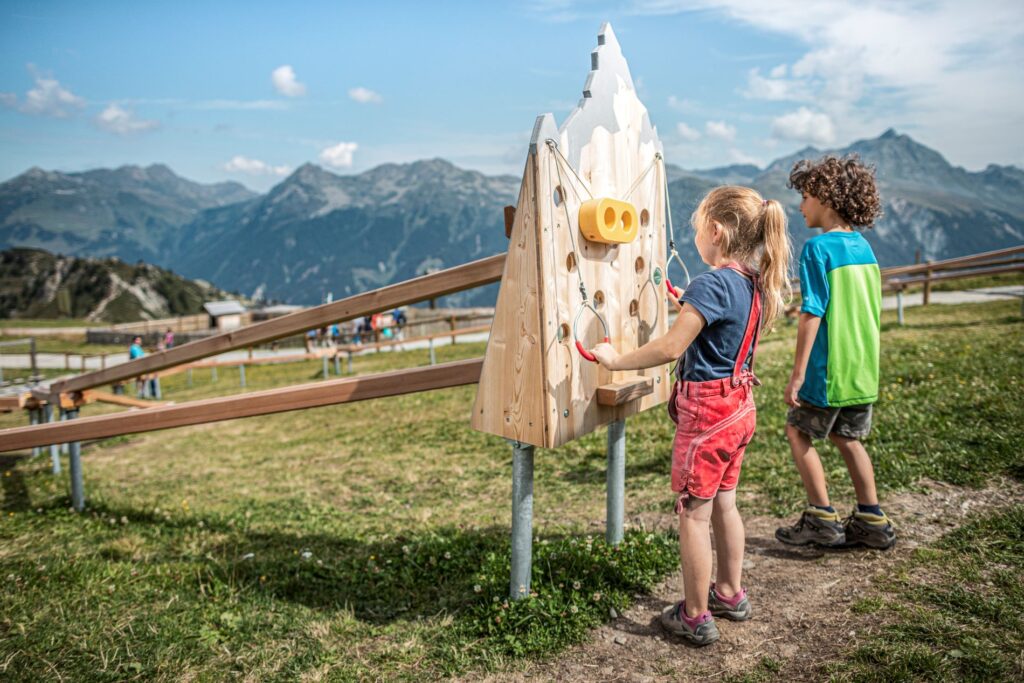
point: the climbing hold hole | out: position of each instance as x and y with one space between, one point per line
639 265
557 195
645 217
563 333
634 308
570 262
598 299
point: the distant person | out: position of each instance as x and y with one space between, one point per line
335 334
835 374
169 339
135 351
310 341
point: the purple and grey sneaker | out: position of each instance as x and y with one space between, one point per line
736 608
699 630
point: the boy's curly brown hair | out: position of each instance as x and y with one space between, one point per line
841 183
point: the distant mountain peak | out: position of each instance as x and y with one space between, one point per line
890 134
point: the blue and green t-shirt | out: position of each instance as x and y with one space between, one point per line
840 283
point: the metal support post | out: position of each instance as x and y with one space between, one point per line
54 448
899 305
241 375
213 374
337 365
522 520
77 486
33 419
349 362
188 378
616 482
326 370
433 358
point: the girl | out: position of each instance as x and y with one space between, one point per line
721 316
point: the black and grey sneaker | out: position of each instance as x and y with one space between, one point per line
867 529
700 630
816 527
736 608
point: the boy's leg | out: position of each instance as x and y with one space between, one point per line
809 465
729 540
695 554
858 462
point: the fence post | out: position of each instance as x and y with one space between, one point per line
33 419
899 305
349 362
188 378
616 482
250 353
326 371
67 360
433 359
927 285
337 364
54 448
241 375
103 361
522 520
213 373
451 323
32 355
77 485
82 357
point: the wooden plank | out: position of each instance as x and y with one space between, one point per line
119 399
441 283
948 264
323 393
624 391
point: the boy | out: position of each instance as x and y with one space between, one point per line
835 373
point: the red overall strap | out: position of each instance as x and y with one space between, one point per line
753 332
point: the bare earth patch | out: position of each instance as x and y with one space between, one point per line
802 601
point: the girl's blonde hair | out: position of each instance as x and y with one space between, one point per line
753 233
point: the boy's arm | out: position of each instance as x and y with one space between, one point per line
659 351
806 331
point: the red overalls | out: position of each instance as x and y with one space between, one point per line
715 419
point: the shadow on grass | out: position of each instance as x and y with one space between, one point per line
16 495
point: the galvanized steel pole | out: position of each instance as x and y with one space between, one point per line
77 485
616 482
522 520
54 448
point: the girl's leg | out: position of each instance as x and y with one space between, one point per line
729 541
695 554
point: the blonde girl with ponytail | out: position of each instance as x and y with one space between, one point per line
743 238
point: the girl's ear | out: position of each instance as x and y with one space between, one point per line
716 233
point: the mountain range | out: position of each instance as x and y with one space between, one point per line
318 232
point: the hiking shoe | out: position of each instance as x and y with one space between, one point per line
866 529
699 630
736 608
814 526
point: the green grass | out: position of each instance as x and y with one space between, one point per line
156 580
956 610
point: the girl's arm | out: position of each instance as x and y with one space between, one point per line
664 349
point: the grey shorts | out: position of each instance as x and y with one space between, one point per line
852 422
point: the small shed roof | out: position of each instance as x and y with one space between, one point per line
219 308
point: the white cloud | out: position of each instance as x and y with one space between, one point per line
681 104
115 119
737 156
365 96
687 133
720 130
286 82
339 155
804 125
47 98
949 70
242 164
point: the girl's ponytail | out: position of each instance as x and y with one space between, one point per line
774 265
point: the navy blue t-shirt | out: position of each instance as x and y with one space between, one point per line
723 297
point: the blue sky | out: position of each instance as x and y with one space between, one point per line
250 90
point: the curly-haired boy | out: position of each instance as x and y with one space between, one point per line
835 373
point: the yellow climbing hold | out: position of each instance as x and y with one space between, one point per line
608 220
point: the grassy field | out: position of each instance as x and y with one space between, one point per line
371 540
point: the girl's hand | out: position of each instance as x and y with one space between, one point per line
605 354
673 297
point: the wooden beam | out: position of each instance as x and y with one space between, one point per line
119 399
280 400
441 283
617 393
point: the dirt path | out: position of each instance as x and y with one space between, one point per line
801 598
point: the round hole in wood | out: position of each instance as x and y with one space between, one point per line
557 195
563 333
639 265
570 262
634 308
645 217
598 299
